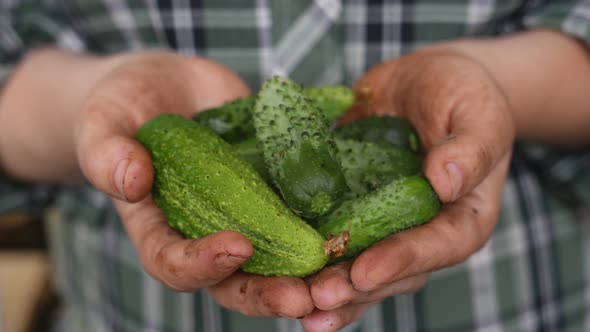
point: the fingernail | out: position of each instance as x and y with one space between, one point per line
367 284
366 287
230 261
120 177
455 178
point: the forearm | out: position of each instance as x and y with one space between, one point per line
38 106
546 78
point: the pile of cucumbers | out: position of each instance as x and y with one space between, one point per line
270 166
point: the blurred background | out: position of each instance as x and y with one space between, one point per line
27 299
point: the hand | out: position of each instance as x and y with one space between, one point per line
136 90
466 131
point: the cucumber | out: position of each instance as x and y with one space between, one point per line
203 187
394 131
366 165
369 166
333 101
299 153
233 120
252 154
399 205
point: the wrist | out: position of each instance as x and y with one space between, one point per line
37 110
544 75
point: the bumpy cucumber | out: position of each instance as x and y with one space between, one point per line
300 155
366 165
333 101
203 187
369 166
233 120
399 205
394 131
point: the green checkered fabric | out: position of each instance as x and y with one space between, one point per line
532 275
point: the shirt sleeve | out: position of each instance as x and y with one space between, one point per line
30 24
568 16
564 174
26 25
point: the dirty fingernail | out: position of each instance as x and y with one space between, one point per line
230 261
120 177
367 284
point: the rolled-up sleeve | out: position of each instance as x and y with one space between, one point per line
26 25
564 174
569 17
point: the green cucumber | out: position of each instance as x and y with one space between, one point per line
394 131
366 165
233 120
298 149
369 166
251 153
399 205
333 101
203 187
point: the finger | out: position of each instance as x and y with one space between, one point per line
332 320
470 150
181 264
258 296
332 288
403 286
135 92
109 156
215 84
459 112
370 95
464 123
457 231
117 165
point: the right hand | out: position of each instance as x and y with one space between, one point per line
141 87
466 132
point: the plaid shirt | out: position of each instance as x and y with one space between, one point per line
532 275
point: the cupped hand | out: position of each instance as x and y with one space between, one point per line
139 88
466 130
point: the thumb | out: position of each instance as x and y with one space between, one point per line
460 161
111 159
109 156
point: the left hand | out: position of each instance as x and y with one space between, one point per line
466 130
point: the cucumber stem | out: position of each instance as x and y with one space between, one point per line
337 246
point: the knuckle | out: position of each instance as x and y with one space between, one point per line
172 273
193 250
268 298
166 262
447 233
279 299
484 158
